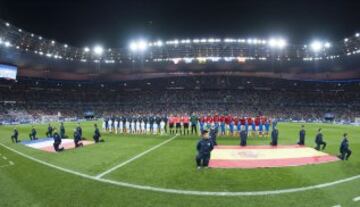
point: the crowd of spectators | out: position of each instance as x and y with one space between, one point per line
280 99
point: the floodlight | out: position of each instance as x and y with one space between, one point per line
140 45
277 43
316 46
98 50
86 49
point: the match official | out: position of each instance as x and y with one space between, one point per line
302 136
345 151
14 137
204 148
319 141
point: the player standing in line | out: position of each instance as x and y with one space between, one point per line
177 124
110 125
202 123
103 125
261 129
127 126
142 126
231 126
106 124
228 119
121 125
222 125
165 120
151 120
132 129
186 121
138 125
238 125
148 131
155 128
194 122
253 127
162 127
267 127
247 126
209 121
116 126
171 124
216 120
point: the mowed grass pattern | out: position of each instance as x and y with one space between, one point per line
171 166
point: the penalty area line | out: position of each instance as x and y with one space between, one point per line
133 158
185 192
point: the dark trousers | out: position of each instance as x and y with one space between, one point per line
345 154
301 141
186 128
243 142
202 160
56 147
319 144
193 129
32 137
274 142
178 127
78 143
49 134
14 139
97 139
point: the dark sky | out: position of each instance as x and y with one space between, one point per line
113 23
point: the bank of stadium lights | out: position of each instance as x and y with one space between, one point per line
317 46
138 46
277 43
98 50
357 35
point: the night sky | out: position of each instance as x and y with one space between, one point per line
114 23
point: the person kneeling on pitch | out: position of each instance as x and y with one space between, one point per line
345 151
57 142
32 134
319 141
77 139
274 137
243 138
204 148
14 137
97 135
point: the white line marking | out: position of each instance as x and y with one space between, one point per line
356 199
5 158
3 166
186 192
11 163
337 206
133 158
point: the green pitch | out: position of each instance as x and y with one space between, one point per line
146 170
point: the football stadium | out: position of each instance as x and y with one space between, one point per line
218 119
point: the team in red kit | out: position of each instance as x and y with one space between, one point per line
225 124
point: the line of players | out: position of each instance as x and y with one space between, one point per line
185 124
